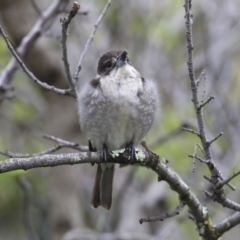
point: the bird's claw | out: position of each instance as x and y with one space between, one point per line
131 150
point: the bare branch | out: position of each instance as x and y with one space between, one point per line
60 144
198 158
227 180
66 92
66 144
214 139
7 92
43 24
65 23
194 158
191 131
36 8
84 13
205 103
90 39
202 76
215 173
22 155
200 147
227 224
164 216
219 197
143 158
215 180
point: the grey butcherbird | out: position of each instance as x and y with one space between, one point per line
116 110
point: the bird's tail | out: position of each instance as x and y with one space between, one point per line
102 191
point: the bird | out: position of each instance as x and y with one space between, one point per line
116 110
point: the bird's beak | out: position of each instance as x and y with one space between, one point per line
122 58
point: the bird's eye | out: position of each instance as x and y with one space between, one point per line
108 65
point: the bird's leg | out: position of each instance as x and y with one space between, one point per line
131 149
105 153
91 148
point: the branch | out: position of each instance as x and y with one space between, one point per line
215 173
205 103
60 144
191 131
227 180
90 39
228 224
65 23
67 144
66 92
202 76
194 156
36 8
44 23
164 216
214 139
219 197
143 158
218 194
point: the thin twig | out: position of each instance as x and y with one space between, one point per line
66 92
22 155
228 184
204 87
199 113
65 23
90 39
36 8
84 13
201 148
194 158
228 224
221 198
42 25
205 103
214 139
202 76
66 144
164 216
60 144
191 131
227 180
198 158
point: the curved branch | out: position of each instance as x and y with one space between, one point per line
228 224
90 39
67 92
144 158
44 23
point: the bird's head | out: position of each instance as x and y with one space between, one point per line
112 60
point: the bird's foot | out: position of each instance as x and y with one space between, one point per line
131 150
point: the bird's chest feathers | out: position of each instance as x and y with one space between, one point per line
122 85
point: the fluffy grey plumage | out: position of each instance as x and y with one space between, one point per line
116 108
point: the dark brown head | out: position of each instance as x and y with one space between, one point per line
110 60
